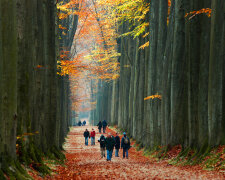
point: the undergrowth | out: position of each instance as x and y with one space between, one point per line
30 159
207 157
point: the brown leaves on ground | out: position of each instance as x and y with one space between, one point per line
85 162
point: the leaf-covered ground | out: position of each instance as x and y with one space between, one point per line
85 162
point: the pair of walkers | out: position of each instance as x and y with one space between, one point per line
89 135
107 143
102 125
110 142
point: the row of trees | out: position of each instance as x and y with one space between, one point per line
184 65
34 100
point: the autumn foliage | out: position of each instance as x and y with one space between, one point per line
192 14
94 52
153 97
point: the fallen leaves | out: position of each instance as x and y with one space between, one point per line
84 162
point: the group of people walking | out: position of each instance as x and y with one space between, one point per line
108 143
111 142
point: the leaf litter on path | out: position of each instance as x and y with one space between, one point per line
85 162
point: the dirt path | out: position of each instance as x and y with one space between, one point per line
84 162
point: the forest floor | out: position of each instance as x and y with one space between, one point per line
85 162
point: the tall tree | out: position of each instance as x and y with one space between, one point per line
8 80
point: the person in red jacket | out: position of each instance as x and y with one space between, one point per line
93 137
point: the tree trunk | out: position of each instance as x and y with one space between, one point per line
178 78
8 96
216 62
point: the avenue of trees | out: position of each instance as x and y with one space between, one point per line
34 99
184 65
155 68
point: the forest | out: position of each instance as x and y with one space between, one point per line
152 68
171 92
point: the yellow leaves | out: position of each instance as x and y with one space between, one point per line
192 14
153 97
146 34
138 30
63 33
144 45
127 66
135 12
67 9
115 76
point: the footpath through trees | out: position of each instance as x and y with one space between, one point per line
85 162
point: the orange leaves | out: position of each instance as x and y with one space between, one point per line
153 97
169 5
39 66
70 67
144 45
61 27
96 40
192 14
94 53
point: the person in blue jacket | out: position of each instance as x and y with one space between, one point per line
125 144
84 123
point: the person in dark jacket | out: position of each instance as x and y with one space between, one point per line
102 142
110 143
86 136
125 144
99 126
117 145
104 124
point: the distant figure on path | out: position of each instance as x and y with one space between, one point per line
79 123
104 124
93 137
125 144
99 126
102 142
84 123
86 136
110 142
117 144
